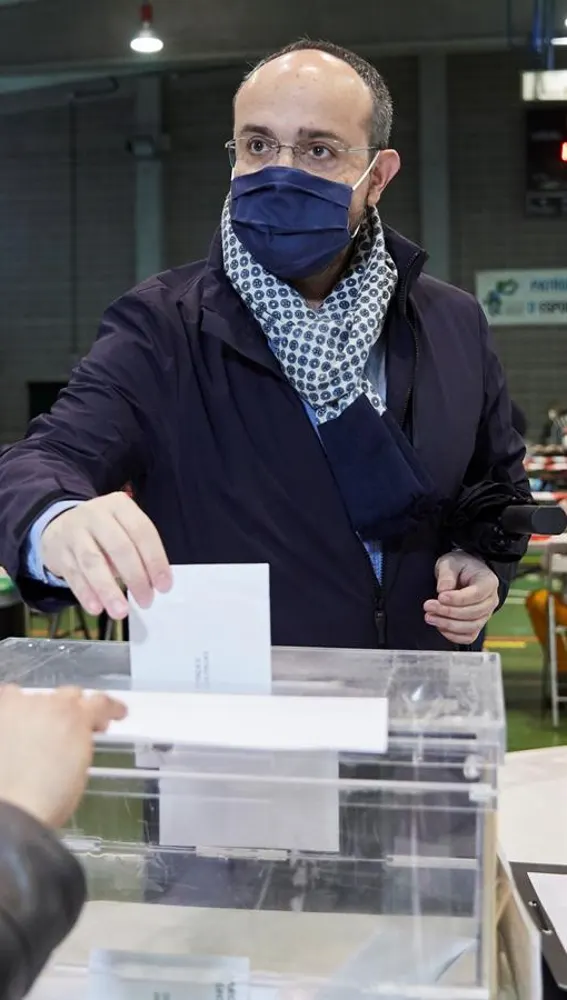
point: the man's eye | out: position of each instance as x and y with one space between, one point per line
257 146
320 152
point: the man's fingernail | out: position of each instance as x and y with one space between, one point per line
164 581
118 609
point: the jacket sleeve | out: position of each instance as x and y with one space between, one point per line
97 437
42 892
499 451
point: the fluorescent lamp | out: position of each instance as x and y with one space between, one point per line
146 42
544 85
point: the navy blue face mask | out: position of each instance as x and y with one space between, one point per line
292 222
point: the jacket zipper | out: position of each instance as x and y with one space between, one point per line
379 611
380 615
379 602
411 386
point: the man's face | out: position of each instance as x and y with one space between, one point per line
316 101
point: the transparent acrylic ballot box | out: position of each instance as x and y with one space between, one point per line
218 874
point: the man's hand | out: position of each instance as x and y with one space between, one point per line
97 543
467 596
46 748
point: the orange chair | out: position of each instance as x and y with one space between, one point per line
536 604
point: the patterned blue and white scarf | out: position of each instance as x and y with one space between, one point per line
323 352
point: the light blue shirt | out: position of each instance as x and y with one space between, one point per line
32 553
376 374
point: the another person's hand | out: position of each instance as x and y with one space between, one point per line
46 748
467 596
96 544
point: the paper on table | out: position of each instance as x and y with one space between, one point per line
521 938
115 975
551 889
211 632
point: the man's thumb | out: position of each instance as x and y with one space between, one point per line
447 578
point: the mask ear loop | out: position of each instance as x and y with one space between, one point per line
370 167
368 170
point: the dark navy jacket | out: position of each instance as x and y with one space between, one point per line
182 397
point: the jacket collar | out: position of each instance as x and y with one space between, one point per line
226 316
409 259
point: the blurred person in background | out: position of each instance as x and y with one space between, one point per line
536 605
555 428
307 397
46 748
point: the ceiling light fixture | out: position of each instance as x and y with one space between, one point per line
560 39
146 42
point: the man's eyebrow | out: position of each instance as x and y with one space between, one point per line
251 129
304 133
319 133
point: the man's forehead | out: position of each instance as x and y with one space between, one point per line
307 82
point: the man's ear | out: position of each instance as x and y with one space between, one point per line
385 169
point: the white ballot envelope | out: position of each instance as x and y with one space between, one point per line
211 632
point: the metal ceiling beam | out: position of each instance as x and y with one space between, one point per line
57 97
34 77
19 83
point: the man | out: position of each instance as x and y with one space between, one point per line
46 747
306 397
553 431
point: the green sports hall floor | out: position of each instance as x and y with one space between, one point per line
511 636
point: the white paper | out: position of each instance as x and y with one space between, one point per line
251 722
211 632
115 975
551 889
521 939
241 812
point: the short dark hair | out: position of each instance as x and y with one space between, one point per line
382 107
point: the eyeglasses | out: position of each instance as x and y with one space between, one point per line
315 155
